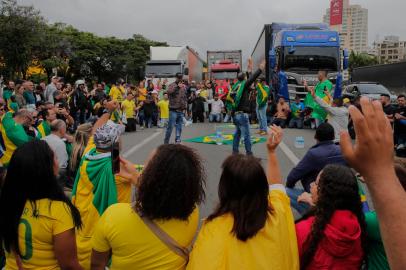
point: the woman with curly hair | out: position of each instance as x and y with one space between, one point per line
169 191
333 234
252 227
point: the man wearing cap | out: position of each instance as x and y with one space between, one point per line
50 89
177 106
103 179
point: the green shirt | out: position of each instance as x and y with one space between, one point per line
376 252
318 112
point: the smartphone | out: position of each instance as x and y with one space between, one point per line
116 159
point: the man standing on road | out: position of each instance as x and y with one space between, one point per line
177 105
262 105
51 88
318 113
241 107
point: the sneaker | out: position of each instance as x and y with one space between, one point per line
188 123
142 127
263 133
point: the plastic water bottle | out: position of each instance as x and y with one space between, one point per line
299 142
219 136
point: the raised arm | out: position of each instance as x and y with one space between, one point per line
110 106
274 172
372 156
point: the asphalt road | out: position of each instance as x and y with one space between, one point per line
138 145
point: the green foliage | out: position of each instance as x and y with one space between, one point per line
361 60
75 54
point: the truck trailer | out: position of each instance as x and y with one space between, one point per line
165 62
296 52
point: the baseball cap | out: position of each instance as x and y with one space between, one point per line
108 134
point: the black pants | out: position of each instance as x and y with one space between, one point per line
131 126
198 116
279 122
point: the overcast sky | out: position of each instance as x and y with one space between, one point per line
208 24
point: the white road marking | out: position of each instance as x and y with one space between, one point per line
292 157
135 148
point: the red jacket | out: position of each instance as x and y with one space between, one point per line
222 91
340 249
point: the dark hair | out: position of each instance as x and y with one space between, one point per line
172 183
339 102
30 175
44 113
325 71
243 192
337 190
385 95
401 96
325 132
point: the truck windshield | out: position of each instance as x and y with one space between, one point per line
221 75
162 70
310 58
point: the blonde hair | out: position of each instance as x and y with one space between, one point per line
81 138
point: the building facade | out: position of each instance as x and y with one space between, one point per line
390 50
351 21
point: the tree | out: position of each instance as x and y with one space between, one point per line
20 27
361 60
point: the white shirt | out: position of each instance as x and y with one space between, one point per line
59 148
216 106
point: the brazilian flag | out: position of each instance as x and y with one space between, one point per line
226 139
13 135
93 192
44 129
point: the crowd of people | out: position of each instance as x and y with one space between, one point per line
69 200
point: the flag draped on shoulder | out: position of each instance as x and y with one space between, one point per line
262 94
234 96
93 192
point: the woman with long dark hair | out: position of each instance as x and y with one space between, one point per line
333 235
252 227
169 191
37 220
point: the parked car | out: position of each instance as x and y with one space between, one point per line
372 90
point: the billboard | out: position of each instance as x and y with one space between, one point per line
336 12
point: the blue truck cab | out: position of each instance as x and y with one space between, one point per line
296 52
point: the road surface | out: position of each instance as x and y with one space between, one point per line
137 146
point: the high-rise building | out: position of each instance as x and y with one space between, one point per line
390 50
351 21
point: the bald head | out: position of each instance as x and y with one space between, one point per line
58 127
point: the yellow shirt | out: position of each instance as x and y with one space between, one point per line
133 244
164 108
117 92
35 234
142 93
128 107
204 93
274 246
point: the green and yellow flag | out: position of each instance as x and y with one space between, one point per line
93 192
13 135
44 129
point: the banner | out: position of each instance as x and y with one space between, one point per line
336 12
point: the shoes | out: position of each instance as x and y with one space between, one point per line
263 133
188 123
142 127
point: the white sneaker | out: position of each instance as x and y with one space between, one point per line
188 123
400 146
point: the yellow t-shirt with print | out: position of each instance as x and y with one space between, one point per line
116 93
273 247
164 108
36 231
142 94
128 107
134 245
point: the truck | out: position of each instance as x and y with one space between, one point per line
165 62
296 52
224 65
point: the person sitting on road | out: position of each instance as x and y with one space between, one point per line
333 234
282 113
297 108
169 191
217 108
337 115
252 227
323 153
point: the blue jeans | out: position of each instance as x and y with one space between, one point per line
293 194
296 122
242 127
262 120
175 119
215 117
